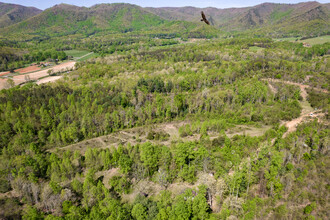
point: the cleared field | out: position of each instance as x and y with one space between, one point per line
49 79
28 69
4 73
23 70
317 40
287 39
255 48
311 41
80 55
39 74
76 53
139 135
87 56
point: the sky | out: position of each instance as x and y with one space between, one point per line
43 4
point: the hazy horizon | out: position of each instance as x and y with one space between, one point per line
160 3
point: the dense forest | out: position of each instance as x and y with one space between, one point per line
209 88
163 116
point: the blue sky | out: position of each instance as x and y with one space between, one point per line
43 4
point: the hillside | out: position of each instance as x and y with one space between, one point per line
268 19
12 13
305 18
219 16
66 19
63 19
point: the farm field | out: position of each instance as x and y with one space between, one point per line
27 69
19 79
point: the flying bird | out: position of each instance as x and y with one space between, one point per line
204 18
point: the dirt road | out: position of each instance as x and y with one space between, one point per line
301 86
307 111
49 79
291 125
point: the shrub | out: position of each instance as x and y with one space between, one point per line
309 208
278 76
119 184
150 135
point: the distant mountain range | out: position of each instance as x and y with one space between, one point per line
310 18
11 13
305 17
66 19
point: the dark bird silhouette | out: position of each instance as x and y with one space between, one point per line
204 18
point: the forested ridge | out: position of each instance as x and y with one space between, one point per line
210 169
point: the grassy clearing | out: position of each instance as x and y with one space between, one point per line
81 55
255 48
311 41
317 40
76 53
247 130
91 55
139 135
287 39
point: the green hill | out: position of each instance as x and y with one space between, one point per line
11 13
63 19
309 18
270 19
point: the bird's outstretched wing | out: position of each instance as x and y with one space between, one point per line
204 18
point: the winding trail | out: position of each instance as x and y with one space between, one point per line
301 86
306 110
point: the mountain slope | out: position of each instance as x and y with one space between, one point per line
309 17
268 19
11 13
66 19
220 16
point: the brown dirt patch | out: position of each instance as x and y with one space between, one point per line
292 125
43 73
27 69
23 70
4 73
3 83
176 188
301 86
138 135
107 175
307 110
10 194
272 88
133 136
20 79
